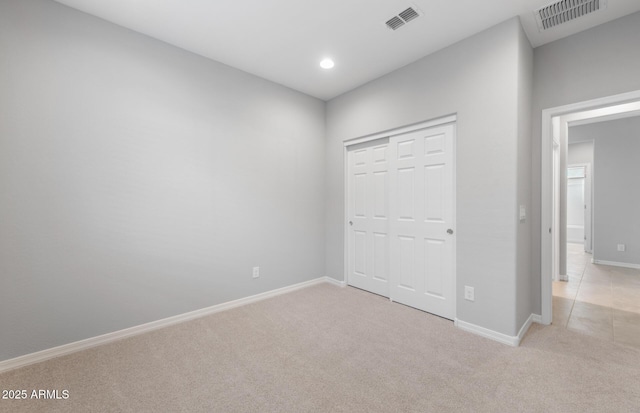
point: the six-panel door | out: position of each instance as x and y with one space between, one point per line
421 220
368 206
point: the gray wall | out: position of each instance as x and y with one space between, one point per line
599 62
525 92
616 187
479 80
139 181
579 152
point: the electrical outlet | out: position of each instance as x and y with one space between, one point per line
469 293
622 247
256 272
523 213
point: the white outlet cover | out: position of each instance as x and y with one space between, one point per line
469 293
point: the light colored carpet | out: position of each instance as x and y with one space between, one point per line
331 349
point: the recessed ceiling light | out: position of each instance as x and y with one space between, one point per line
327 64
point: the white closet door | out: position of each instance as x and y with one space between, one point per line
421 222
368 214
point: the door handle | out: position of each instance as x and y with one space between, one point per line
449 231
350 222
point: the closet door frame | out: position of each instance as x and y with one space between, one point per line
380 135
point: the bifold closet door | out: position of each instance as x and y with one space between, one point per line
368 214
421 230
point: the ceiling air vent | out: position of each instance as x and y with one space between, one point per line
563 11
408 15
404 17
395 22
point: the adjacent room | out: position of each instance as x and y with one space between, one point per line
319 206
599 293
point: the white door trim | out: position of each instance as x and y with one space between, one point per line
546 186
397 131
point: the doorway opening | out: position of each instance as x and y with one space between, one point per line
566 187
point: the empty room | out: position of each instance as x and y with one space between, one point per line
281 206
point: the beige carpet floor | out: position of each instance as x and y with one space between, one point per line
331 349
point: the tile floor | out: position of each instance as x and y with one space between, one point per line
598 300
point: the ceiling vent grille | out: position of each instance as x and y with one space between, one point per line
563 11
408 15
395 23
402 18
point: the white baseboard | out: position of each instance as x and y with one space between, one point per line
617 264
65 349
513 341
536 318
525 327
335 282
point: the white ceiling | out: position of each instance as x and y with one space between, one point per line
284 40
